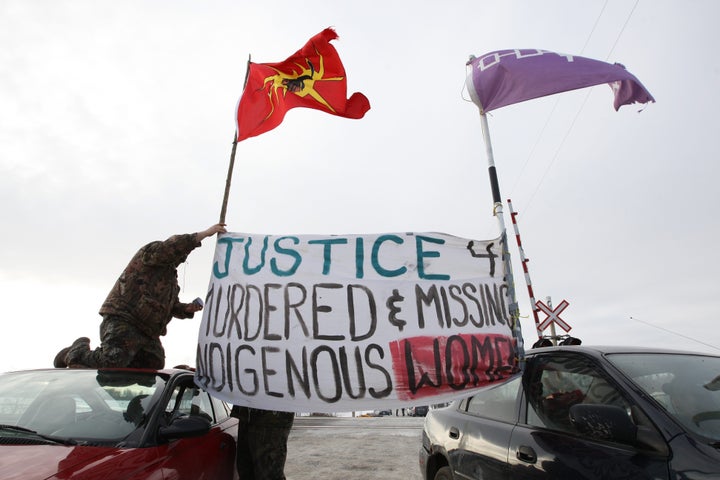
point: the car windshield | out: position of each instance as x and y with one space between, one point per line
93 406
686 385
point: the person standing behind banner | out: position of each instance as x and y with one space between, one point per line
262 442
138 308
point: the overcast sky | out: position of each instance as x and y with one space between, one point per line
117 119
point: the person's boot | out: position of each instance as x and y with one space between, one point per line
75 351
59 361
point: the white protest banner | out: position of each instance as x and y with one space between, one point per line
339 323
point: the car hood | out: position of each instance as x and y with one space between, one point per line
40 462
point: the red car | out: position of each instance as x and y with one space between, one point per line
113 424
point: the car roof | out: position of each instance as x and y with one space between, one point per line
600 350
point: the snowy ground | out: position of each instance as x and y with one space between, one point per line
354 448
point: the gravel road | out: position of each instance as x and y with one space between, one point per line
344 448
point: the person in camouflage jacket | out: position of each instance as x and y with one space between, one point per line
138 308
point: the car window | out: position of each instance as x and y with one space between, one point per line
84 405
188 399
555 383
222 412
687 386
497 402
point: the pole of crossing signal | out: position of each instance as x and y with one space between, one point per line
553 332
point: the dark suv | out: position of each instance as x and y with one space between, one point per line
584 413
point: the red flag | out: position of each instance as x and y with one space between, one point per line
313 77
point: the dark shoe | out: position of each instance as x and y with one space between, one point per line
59 361
75 352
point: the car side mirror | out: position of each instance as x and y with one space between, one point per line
604 422
185 427
610 422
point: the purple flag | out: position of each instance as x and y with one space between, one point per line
511 76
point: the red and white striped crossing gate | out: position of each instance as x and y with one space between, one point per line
525 261
553 316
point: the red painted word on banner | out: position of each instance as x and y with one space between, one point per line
425 366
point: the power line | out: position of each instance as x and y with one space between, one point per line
597 20
559 148
557 101
577 115
627 20
675 333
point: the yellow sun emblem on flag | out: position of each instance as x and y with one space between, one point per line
300 83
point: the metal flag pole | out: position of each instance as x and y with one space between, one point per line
498 212
494 184
231 166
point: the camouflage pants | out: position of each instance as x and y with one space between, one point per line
262 443
121 345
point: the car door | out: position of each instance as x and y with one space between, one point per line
211 456
546 444
485 436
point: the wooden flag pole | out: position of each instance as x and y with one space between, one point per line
223 210
231 166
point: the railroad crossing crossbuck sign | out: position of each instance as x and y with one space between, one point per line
553 316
